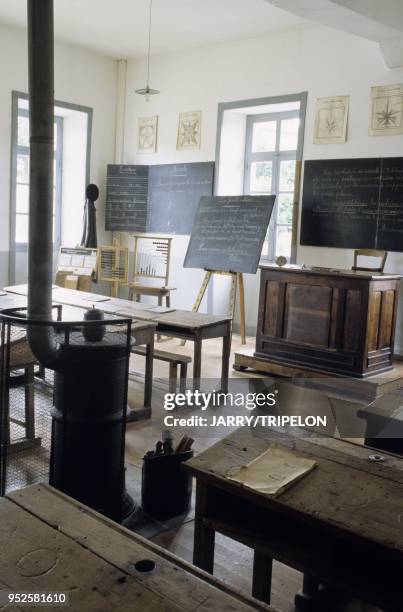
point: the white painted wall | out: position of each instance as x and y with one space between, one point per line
81 77
318 60
74 170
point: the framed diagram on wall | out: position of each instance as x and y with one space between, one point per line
189 131
147 133
386 110
331 120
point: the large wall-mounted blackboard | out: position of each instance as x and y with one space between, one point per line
160 198
229 232
174 195
126 198
353 203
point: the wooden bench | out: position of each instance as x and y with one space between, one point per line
52 543
174 360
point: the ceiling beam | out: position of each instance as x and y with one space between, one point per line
381 22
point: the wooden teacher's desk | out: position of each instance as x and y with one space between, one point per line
341 524
336 321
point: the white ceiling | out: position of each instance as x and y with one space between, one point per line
118 28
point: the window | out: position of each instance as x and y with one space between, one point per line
270 168
72 156
259 151
20 191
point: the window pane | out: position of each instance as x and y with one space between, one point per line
260 176
21 228
283 244
23 131
264 136
287 175
285 208
23 169
55 136
22 198
289 134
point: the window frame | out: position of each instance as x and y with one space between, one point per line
300 97
14 247
275 157
17 149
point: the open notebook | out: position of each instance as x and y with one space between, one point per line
273 471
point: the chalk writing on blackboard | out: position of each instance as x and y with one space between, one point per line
229 232
353 203
126 198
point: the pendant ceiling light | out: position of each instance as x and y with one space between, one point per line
147 91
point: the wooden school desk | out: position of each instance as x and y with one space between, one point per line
340 524
193 326
142 332
52 543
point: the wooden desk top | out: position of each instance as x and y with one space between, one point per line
190 320
50 542
125 308
345 491
358 274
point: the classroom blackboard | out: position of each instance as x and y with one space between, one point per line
161 198
126 198
353 203
174 193
229 232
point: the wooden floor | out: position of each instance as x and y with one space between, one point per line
233 560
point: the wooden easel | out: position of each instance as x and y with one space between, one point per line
236 282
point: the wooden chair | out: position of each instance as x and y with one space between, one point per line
369 253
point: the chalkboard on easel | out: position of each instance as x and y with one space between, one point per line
174 194
229 232
353 203
126 198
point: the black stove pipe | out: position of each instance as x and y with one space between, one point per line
41 112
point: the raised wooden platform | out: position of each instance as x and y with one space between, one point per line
368 388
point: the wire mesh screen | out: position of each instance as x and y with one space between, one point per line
27 391
25 404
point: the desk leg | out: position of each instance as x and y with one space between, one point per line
204 537
197 356
317 596
148 382
262 570
226 352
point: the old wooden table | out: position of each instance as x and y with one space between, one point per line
193 326
143 332
341 524
51 543
196 327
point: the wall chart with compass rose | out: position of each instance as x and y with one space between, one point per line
189 131
331 120
386 110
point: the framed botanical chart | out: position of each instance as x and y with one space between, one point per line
331 120
386 115
189 131
147 131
